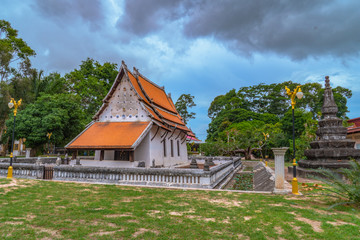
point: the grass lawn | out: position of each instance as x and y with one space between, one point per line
34 209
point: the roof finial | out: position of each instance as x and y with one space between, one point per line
136 71
327 81
123 63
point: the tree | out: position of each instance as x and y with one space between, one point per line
91 82
60 114
232 116
184 102
12 49
245 136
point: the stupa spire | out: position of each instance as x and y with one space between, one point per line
329 108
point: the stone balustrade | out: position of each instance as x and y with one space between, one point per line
188 178
23 170
167 177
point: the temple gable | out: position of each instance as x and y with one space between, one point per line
124 105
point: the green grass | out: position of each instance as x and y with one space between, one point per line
34 209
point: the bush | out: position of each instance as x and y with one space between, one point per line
345 186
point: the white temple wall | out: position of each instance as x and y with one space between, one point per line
142 151
109 154
157 149
179 155
97 155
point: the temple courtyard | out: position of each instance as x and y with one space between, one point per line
38 209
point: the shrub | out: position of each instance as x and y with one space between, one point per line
345 186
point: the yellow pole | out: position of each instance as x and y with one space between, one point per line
292 95
14 104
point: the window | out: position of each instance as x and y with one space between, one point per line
172 148
357 146
122 155
164 145
178 147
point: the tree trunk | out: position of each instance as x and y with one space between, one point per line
247 152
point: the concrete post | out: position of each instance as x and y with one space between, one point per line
279 154
28 152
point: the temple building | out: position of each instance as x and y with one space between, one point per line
137 125
353 132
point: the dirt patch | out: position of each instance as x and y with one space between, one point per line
104 233
200 218
227 220
316 225
131 199
242 237
142 231
278 230
133 221
276 205
118 215
53 233
226 203
175 214
247 218
155 213
339 223
13 223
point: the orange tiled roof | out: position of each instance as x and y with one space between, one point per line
153 113
137 87
170 117
109 135
156 94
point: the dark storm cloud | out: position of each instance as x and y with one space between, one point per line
297 29
143 17
66 11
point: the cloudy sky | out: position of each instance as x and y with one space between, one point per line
200 47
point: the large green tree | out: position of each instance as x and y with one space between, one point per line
227 117
12 49
271 98
92 82
60 114
184 102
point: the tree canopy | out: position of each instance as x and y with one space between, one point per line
246 112
60 114
12 49
91 82
184 102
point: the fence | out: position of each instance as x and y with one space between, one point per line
188 178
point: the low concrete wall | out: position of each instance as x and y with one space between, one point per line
191 178
23 170
30 160
174 177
